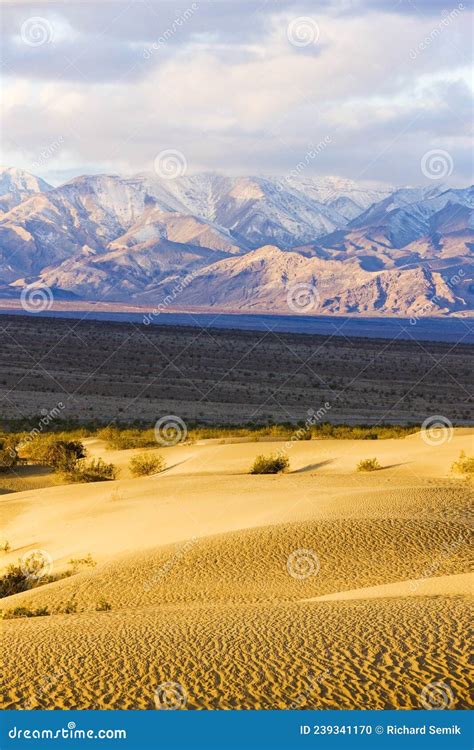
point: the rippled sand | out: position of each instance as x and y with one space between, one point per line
322 588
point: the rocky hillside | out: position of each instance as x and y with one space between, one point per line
290 245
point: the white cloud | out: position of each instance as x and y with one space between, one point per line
248 101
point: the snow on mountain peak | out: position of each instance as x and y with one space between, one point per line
13 180
368 248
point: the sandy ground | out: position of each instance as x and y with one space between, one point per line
322 588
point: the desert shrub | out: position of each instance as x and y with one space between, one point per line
253 433
5 547
145 464
8 452
12 614
95 470
368 464
123 439
68 608
103 606
61 455
305 431
273 464
14 581
78 562
464 465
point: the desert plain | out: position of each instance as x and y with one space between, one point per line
213 588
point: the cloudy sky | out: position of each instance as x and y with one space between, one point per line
356 88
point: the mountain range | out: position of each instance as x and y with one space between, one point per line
246 244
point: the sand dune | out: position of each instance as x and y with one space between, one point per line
411 456
455 585
376 654
205 493
320 588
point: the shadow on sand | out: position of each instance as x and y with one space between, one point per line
313 467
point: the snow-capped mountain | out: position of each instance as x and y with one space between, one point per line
360 248
16 185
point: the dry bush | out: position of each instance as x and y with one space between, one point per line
145 464
273 464
368 464
8 452
12 614
49 450
95 470
464 465
121 439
